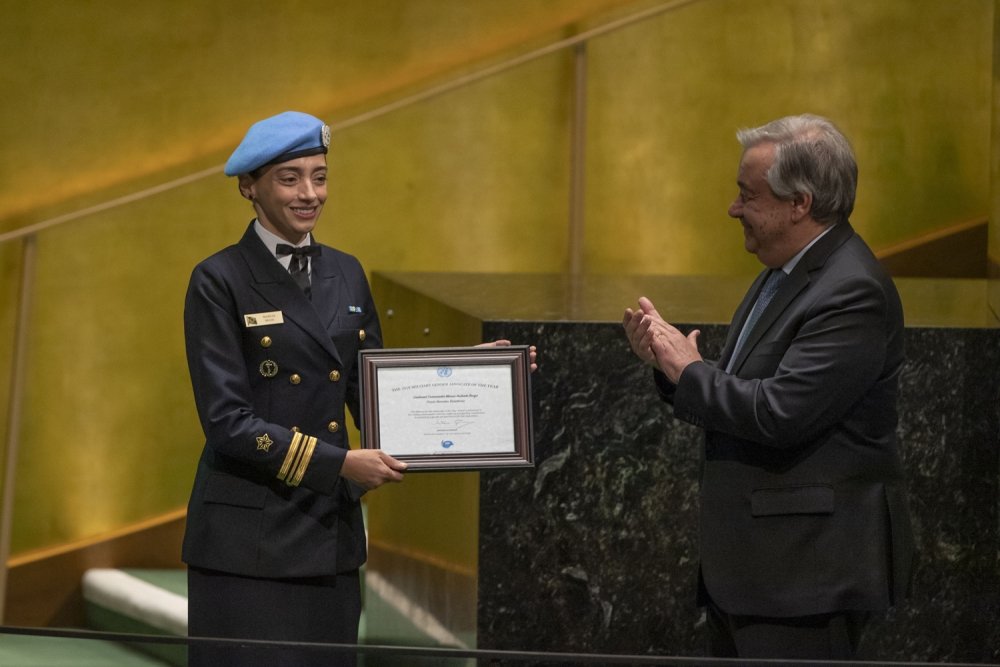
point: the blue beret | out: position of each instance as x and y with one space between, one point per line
279 138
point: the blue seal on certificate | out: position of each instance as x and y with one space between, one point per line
444 372
447 444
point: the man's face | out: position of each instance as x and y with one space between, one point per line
289 196
766 219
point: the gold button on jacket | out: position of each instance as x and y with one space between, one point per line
333 427
295 378
334 376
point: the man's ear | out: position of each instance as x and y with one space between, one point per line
246 182
801 205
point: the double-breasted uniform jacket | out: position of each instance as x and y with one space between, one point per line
272 372
803 504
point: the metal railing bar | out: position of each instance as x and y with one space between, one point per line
110 204
425 652
14 401
576 233
578 147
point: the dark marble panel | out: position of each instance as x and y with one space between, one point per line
948 433
994 267
596 549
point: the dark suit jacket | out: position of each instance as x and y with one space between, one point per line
253 385
803 505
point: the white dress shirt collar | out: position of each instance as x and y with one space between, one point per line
790 264
271 240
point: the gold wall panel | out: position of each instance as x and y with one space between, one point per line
994 225
102 93
473 181
109 431
11 255
908 81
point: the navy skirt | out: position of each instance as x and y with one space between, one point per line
314 610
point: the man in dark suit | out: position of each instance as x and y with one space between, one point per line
804 521
273 326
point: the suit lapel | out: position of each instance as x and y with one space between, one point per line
797 281
272 281
794 283
326 291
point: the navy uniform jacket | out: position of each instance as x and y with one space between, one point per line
803 504
272 373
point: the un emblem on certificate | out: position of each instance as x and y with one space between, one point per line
444 372
447 444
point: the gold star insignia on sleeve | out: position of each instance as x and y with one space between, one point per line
264 442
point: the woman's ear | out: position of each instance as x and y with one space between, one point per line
246 186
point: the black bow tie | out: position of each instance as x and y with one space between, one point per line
285 249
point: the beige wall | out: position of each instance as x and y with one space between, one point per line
106 98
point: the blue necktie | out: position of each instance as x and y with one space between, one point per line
771 284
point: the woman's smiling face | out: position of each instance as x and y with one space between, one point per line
288 197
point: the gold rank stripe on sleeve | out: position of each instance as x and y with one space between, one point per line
300 452
293 454
300 470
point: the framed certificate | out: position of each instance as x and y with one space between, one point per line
445 408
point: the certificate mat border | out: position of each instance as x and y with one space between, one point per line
522 454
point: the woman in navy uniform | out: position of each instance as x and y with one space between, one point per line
273 326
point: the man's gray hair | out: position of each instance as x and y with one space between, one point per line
811 156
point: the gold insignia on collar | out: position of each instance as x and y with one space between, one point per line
264 442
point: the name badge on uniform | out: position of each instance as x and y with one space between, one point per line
262 319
